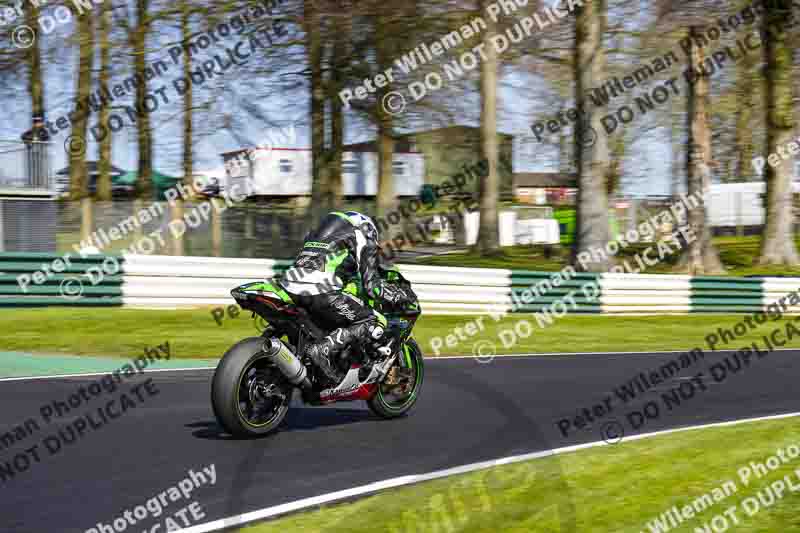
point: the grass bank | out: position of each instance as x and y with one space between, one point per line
193 333
620 488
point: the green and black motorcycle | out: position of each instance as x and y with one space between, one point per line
256 379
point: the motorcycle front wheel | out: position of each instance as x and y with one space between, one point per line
249 395
392 399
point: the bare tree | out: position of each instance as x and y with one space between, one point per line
35 80
313 29
104 185
488 232
592 231
777 245
701 256
745 103
78 175
384 51
188 99
339 54
138 41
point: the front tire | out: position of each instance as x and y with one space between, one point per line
383 403
249 395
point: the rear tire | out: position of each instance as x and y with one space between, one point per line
384 406
242 374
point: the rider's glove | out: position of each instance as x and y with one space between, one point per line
395 296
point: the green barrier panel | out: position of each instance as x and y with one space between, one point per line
40 301
739 295
47 272
527 280
740 287
56 279
526 277
55 290
31 268
726 309
726 302
724 294
543 292
45 256
578 298
589 308
542 288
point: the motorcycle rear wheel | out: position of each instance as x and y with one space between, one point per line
387 405
249 395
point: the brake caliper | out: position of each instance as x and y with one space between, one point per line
399 378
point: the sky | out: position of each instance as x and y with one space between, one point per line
647 167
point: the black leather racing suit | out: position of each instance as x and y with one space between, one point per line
334 277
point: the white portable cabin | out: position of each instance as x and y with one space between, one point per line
738 204
287 171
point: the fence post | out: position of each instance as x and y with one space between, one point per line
87 221
177 211
739 226
216 228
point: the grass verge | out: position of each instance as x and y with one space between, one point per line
193 333
619 488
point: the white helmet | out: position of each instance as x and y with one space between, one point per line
364 223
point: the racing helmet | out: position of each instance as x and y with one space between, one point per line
364 223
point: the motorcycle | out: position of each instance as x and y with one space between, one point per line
255 381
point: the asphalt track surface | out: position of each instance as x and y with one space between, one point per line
468 412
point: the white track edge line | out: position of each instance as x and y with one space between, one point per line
442 357
500 356
92 374
277 510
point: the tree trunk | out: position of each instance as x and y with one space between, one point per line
385 198
341 54
37 160
488 242
745 96
319 185
35 82
701 256
144 185
78 175
335 185
188 101
566 158
676 145
618 149
777 244
104 190
592 233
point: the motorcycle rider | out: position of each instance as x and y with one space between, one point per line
335 277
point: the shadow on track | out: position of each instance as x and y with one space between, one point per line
297 419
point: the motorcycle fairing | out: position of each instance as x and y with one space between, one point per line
265 289
351 388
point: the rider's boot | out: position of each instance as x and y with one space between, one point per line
320 353
324 352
